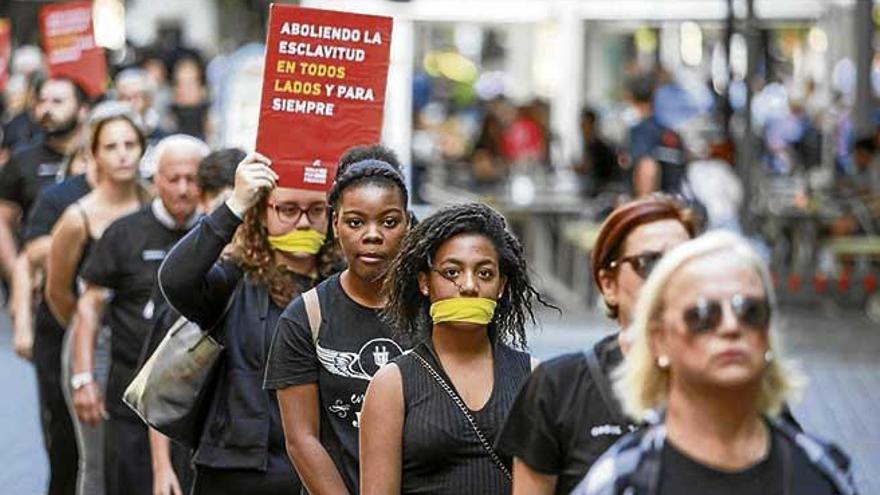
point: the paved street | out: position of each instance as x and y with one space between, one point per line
839 351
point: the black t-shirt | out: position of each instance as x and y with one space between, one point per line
51 203
353 343
785 464
28 172
126 260
559 423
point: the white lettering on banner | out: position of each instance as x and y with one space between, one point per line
321 51
291 105
314 175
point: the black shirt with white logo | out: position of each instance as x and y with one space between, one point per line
353 343
559 423
27 173
784 471
125 260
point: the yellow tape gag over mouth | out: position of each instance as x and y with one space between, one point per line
479 310
298 241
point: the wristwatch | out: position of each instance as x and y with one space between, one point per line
80 380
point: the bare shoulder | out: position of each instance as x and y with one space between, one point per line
387 383
70 227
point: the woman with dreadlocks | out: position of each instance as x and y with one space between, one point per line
461 290
321 366
234 273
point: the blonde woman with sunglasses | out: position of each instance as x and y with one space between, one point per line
705 364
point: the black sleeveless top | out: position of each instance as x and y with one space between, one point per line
441 452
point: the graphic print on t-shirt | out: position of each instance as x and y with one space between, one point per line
363 364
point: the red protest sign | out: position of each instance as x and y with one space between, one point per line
323 90
69 44
5 51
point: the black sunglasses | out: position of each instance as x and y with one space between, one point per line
642 263
706 314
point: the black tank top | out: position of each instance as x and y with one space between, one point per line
441 452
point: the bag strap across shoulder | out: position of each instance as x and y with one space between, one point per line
470 419
313 311
604 386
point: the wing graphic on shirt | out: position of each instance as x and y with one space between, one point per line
345 364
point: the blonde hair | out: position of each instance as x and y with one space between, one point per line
640 383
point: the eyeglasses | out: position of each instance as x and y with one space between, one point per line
706 314
291 212
642 263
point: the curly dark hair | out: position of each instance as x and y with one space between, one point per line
251 251
408 309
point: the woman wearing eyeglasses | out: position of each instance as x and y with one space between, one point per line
235 272
460 289
565 416
704 356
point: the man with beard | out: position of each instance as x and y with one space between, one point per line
60 109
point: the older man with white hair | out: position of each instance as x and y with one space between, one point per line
119 276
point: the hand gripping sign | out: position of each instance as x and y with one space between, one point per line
69 44
323 90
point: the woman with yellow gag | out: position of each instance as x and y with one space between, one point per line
234 273
460 290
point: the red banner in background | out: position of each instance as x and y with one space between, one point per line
5 51
323 90
68 40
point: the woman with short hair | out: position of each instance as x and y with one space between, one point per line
564 418
704 356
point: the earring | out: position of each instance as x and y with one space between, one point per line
769 356
663 362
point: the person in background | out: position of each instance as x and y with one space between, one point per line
561 421
134 87
115 145
189 107
705 368
172 470
43 344
460 289
598 166
656 153
60 109
119 276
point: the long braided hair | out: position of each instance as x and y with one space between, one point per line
408 309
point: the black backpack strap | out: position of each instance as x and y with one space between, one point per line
604 386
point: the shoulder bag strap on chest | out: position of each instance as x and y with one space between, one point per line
604 387
313 311
464 410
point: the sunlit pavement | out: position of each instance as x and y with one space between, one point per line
838 350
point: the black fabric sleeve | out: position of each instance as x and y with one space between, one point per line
530 431
192 279
42 217
10 181
293 359
102 264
